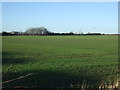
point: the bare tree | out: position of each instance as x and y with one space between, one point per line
37 31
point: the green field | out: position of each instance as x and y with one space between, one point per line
59 61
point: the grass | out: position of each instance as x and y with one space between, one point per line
59 61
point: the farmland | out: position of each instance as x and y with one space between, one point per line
60 61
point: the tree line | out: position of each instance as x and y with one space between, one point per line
40 31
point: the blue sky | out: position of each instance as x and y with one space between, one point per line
61 16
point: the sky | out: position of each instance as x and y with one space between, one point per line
99 17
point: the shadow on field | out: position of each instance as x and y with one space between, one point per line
13 58
52 79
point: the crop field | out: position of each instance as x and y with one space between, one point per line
60 61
